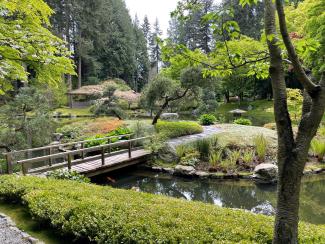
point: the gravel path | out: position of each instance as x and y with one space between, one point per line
10 234
208 131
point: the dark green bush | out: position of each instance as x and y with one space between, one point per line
177 129
242 121
107 215
207 119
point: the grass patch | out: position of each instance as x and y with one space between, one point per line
104 214
177 129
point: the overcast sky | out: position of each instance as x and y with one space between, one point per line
153 9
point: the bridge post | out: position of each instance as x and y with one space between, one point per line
24 169
50 159
130 148
9 163
103 156
109 147
69 162
82 153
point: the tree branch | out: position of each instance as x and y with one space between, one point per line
311 87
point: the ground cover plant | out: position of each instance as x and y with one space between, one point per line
103 214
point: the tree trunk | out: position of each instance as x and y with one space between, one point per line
160 111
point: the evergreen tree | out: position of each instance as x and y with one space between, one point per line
249 17
141 57
155 52
146 28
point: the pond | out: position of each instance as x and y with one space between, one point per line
232 194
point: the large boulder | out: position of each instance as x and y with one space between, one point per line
265 173
169 116
184 170
168 154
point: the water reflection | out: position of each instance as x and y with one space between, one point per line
232 194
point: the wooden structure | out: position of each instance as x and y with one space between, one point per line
89 161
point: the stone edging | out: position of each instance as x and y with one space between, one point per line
208 175
18 235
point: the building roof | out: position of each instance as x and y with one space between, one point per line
91 90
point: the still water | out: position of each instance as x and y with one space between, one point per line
232 194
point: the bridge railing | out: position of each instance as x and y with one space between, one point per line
68 156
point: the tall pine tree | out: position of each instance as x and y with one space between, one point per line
155 52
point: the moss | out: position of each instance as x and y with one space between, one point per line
104 214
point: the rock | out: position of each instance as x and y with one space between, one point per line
157 169
265 173
184 170
265 208
168 170
202 174
169 116
168 154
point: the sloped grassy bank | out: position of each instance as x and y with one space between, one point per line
104 214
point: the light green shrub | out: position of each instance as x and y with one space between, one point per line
107 215
261 146
318 148
207 119
191 158
176 129
242 121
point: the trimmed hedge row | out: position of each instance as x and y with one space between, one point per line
107 215
179 128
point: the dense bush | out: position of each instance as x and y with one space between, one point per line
207 119
118 132
68 175
242 121
107 215
70 131
177 129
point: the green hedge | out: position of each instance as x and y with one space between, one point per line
107 215
179 128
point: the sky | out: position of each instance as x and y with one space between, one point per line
153 9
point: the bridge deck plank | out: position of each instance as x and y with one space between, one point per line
95 167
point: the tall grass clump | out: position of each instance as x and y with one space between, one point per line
317 147
260 143
215 158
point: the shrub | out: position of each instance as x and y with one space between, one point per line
106 215
318 148
242 121
261 146
207 119
68 175
118 132
70 131
177 129
191 158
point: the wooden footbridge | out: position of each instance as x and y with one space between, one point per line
80 157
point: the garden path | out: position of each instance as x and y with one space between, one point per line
10 234
208 131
